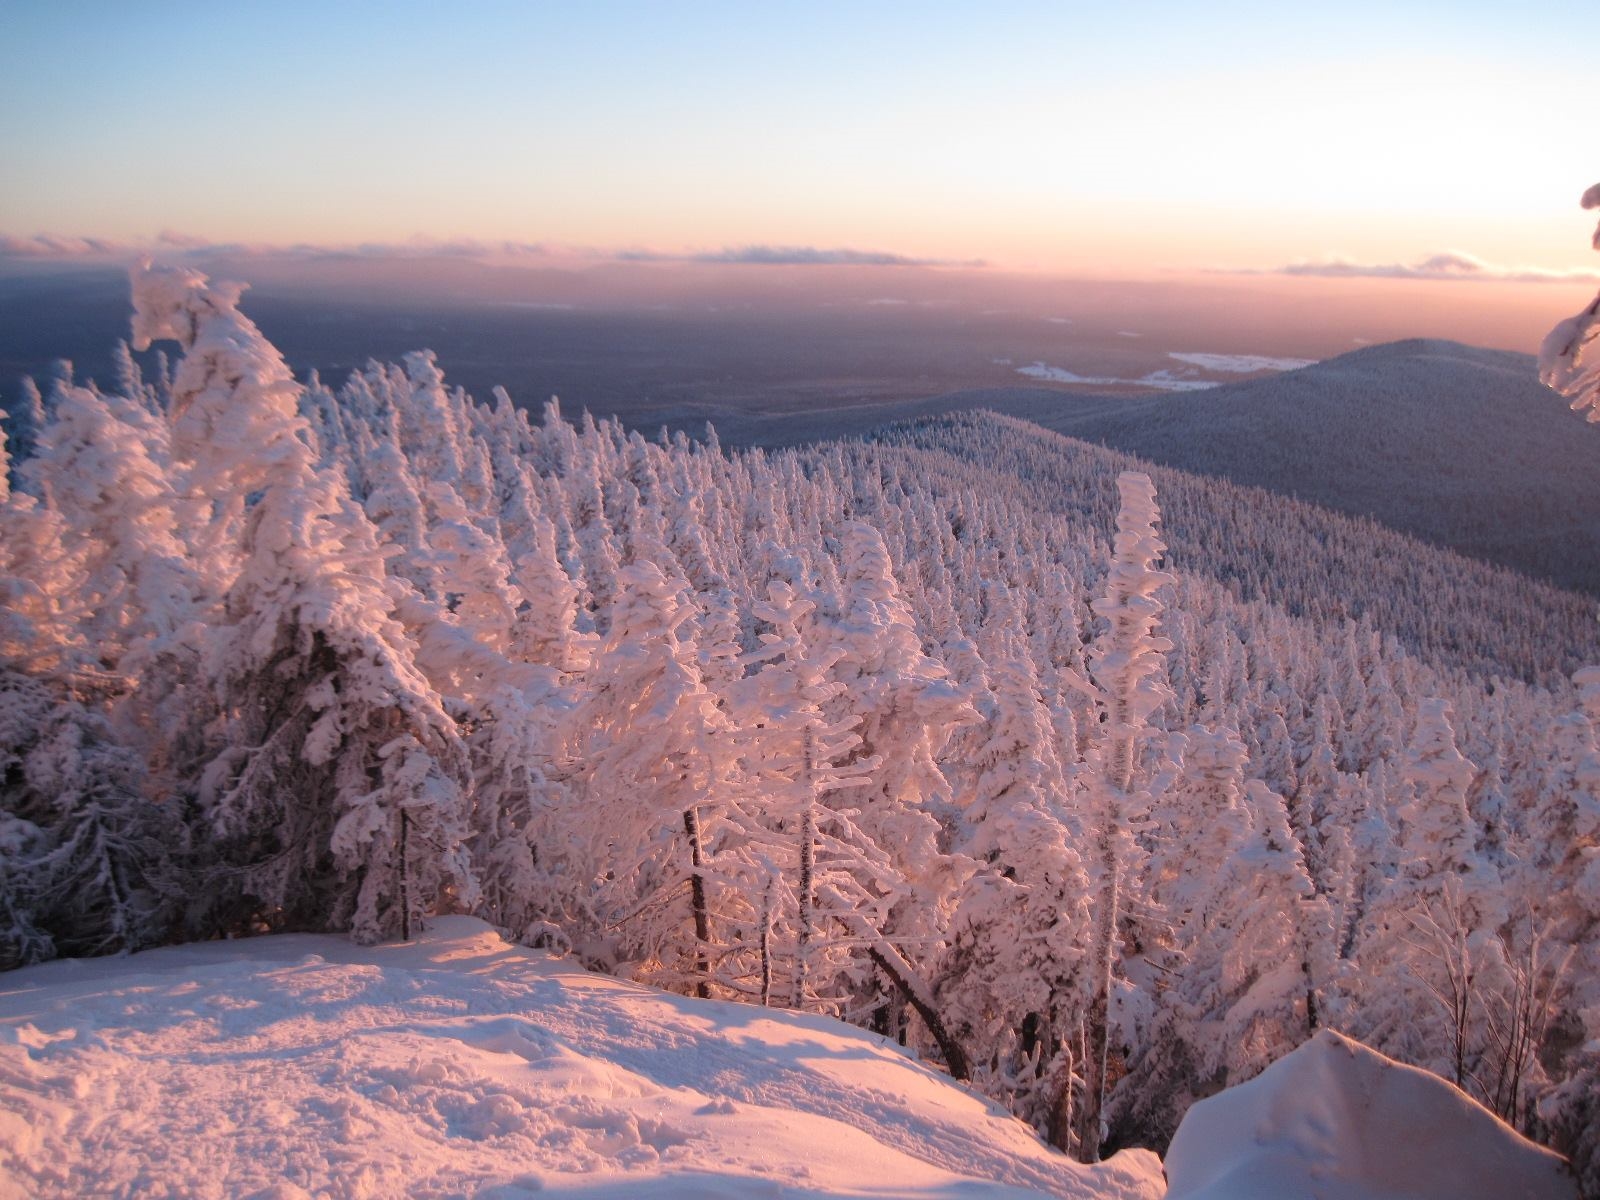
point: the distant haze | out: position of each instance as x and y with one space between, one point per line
682 342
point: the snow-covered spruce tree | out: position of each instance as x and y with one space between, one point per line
1569 360
86 859
908 707
1010 981
1128 670
821 864
532 883
333 794
1279 963
1197 834
658 763
100 462
1247 944
471 571
23 421
1432 938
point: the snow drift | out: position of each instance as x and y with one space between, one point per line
459 1065
1338 1121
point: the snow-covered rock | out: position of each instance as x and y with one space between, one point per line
1337 1121
458 1065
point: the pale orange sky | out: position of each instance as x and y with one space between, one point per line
1125 141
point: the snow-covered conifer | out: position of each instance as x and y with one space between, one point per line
1012 977
820 864
908 708
89 863
335 795
658 760
96 468
1569 359
24 421
1126 662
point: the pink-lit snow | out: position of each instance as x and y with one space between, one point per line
459 1065
1336 1121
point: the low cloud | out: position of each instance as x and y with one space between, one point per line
794 256
50 245
1450 265
176 244
809 256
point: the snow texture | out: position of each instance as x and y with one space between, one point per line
1338 1121
458 1065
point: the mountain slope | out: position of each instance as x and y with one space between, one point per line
1457 445
1310 561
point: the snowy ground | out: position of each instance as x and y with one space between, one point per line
284 1067
1337 1121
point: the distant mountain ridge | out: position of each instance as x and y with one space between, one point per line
1455 444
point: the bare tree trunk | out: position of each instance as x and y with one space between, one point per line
766 944
697 894
1097 1051
910 986
808 880
405 877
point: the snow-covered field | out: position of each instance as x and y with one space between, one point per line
1167 380
458 1065
1164 381
1242 364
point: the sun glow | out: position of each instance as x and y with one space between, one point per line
1041 137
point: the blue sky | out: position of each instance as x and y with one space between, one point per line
1054 136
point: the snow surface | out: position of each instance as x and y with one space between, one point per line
1169 381
1240 364
1162 380
1051 374
298 1065
1338 1121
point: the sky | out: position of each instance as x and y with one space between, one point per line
1105 140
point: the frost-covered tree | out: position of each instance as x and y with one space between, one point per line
820 865
89 863
658 764
335 791
1569 359
1011 980
1433 933
1128 670
99 463
24 420
907 708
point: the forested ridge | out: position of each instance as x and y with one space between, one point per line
1457 445
904 731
